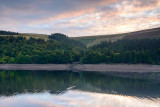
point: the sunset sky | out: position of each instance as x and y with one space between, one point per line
79 17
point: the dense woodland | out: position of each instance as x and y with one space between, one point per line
133 51
22 51
8 33
59 49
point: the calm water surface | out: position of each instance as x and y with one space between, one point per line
78 89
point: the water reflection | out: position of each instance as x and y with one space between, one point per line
77 99
67 88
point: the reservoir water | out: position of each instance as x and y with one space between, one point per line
79 89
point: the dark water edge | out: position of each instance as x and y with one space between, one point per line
145 85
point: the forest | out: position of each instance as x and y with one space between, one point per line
25 51
130 51
8 33
60 49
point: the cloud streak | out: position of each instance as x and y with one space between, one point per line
79 17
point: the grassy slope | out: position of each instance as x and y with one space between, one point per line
92 40
149 33
28 35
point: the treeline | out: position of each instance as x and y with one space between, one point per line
66 40
8 33
60 49
22 51
134 51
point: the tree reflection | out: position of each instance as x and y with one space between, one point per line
57 82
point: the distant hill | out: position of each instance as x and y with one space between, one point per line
92 40
34 35
66 40
149 33
27 35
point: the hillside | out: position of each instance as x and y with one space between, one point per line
38 51
92 40
60 49
34 35
27 35
149 33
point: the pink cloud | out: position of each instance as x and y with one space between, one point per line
78 18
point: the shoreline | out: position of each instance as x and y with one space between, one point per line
84 67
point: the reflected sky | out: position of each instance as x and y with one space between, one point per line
78 89
76 98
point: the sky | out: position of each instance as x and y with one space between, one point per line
79 17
